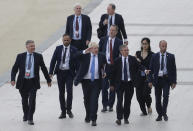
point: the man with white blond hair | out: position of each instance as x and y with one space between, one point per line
79 27
90 75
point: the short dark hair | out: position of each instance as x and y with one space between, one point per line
66 35
117 28
113 6
29 41
148 42
122 46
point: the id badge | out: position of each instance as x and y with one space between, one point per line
27 73
161 73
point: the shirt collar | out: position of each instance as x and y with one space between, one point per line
78 16
29 53
163 54
124 57
111 38
93 54
66 46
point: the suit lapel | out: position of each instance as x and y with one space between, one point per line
24 60
167 60
105 44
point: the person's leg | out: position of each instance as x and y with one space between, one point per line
86 92
129 90
119 109
140 96
166 91
32 103
158 95
69 88
105 88
95 91
61 87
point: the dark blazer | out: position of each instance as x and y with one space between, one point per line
118 21
85 63
103 44
116 75
20 65
56 60
86 27
155 65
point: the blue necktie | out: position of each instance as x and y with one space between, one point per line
125 70
92 69
29 62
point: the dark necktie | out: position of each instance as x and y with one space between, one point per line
29 62
64 56
162 62
77 27
111 52
125 70
110 23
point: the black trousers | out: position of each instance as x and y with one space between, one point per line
126 89
162 86
65 79
28 95
79 44
91 91
108 96
143 93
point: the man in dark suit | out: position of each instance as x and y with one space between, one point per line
112 18
162 76
28 81
63 64
90 75
109 45
122 80
79 28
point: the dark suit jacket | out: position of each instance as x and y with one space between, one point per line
86 27
20 65
155 65
118 21
84 66
56 60
103 44
116 75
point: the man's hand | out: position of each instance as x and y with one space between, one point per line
49 84
13 83
104 75
126 42
87 42
51 76
150 85
147 72
112 88
173 86
88 50
105 22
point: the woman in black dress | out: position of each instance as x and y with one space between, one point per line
143 91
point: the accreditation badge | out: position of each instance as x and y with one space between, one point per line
27 73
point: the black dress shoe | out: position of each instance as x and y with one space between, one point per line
110 109
70 114
87 120
93 123
126 121
62 116
24 118
104 109
165 118
118 122
30 122
159 118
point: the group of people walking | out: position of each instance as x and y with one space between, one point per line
106 66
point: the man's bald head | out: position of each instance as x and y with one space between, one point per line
163 46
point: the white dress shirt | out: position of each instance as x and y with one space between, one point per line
164 71
128 73
88 75
31 70
65 66
108 49
74 28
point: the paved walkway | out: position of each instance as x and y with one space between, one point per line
170 20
